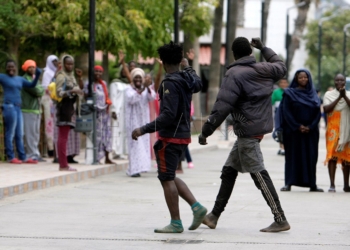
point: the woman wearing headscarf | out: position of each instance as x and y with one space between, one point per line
300 115
69 90
138 95
103 121
11 111
337 107
49 73
31 112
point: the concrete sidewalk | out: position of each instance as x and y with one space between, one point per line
19 179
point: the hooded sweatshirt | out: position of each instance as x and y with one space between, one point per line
175 94
49 71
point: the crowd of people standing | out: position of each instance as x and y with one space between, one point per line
57 92
298 122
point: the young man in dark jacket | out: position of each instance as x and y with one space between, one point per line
173 124
246 94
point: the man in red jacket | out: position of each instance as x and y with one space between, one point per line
246 94
173 126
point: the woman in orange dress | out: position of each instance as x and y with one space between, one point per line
337 107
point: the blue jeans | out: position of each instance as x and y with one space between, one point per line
188 155
13 130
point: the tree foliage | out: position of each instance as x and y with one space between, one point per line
196 16
332 48
32 28
56 25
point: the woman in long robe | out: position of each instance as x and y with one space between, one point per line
337 107
138 95
103 121
301 114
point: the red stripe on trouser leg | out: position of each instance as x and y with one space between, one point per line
63 132
162 161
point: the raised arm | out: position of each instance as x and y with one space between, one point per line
125 67
189 70
32 84
157 80
274 66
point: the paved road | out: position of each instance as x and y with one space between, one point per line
118 212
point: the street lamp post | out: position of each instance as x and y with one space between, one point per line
228 49
346 27
262 25
92 16
176 21
287 34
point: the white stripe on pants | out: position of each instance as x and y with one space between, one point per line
31 126
270 199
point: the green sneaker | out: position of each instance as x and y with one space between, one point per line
199 213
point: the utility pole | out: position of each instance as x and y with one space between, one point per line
92 97
228 48
176 21
262 25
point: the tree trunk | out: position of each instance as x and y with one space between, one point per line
193 43
105 65
300 24
266 16
196 97
240 14
82 62
215 65
13 47
233 25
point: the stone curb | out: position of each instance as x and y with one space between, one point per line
72 177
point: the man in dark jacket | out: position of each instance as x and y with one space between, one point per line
246 94
173 124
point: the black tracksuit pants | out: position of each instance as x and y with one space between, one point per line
262 181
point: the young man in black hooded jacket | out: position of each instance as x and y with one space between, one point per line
246 94
173 126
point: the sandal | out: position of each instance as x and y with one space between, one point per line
286 188
331 190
